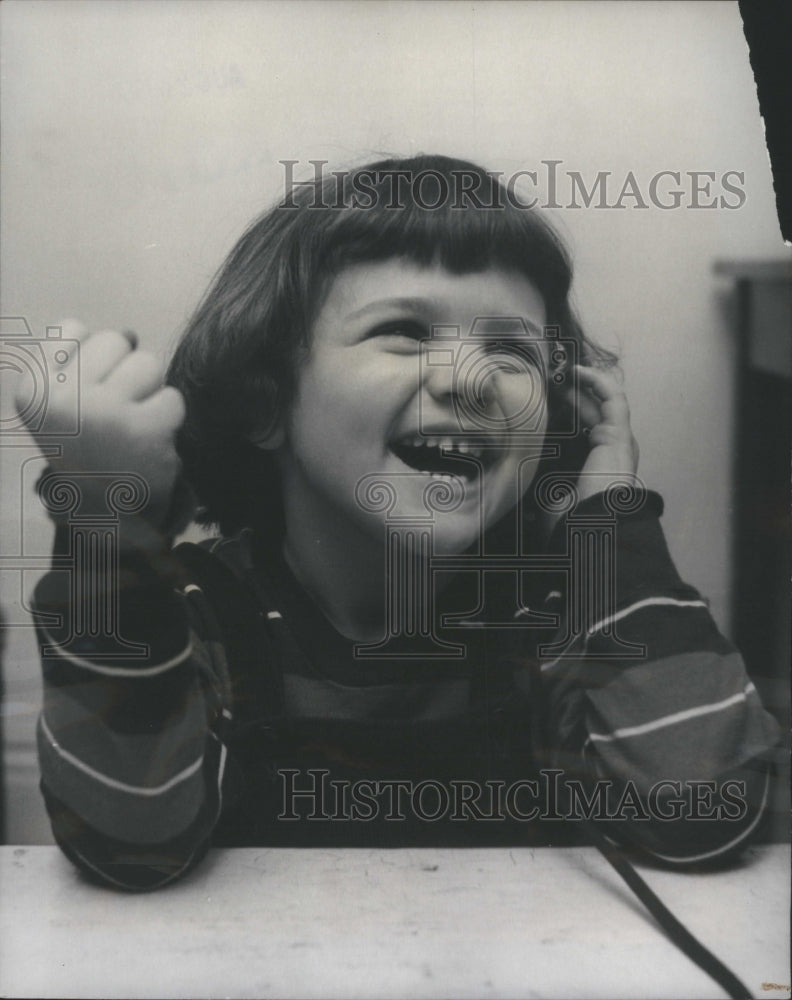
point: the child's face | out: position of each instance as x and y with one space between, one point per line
372 399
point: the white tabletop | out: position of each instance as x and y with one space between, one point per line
396 923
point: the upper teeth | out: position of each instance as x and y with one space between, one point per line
444 443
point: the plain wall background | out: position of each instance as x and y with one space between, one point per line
139 139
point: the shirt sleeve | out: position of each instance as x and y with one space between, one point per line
652 706
129 735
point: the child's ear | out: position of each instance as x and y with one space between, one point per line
269 437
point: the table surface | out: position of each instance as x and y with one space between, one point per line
398 923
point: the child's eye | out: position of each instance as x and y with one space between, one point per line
517 354
401 331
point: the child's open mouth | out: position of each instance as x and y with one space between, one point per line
443 456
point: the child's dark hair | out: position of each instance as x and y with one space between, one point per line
238 360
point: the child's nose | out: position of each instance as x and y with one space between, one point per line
463 372
447 371
439 377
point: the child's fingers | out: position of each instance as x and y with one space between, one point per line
100 353
74 334
601 384
165 408
586 405
137 376
588 409
605 394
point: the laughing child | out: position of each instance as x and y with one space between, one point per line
400 634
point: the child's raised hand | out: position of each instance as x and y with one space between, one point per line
127 418
605 414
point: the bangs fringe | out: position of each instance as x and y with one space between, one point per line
430 217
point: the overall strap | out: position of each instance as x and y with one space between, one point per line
245 630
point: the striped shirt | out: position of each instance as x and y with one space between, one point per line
249 720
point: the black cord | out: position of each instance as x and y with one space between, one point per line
676 930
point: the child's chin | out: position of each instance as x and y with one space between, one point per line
452 538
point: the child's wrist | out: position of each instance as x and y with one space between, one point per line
119 502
